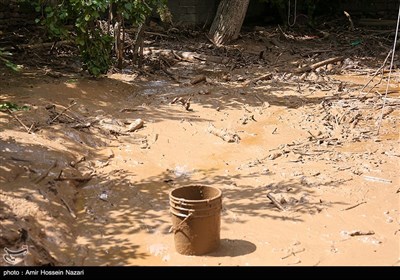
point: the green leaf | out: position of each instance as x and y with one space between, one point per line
12 107
128 6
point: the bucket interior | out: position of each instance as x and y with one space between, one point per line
196 193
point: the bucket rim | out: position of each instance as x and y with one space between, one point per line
218 196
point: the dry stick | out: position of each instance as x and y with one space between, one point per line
359 233
62 112
15 117
390 73
198 79
19 159
44 175
275 202
351 22
354 206
30 129
318 64
79 179
259 98
261 78
312 135
377 71
376 179
68 208
223 134
157 34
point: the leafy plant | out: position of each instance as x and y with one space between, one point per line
12 107
95 44
6 61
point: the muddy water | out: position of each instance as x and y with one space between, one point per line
122 214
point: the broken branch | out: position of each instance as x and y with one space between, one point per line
318 64
223 134
354 206
15 117
44 175
63 111
275 202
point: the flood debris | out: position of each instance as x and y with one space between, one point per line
44 175
73 103
184 102
358 232
276 202
104 196
118 127
198 79
68 208
28 130
135 125
376 179
354 206
224 134
275 155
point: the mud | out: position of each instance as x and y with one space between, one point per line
105 201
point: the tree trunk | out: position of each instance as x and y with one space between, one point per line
228 21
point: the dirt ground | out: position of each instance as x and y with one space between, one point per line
81 189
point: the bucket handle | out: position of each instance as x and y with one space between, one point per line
175 229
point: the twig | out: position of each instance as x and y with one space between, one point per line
15 117
360 232
312 135
377 71
19 159
79 179
30 129
390 73
376 179
44 175
354 206
293 254
157 34
62 112
261 78
68 208
275 202
259 98
351 22
318 64
130 110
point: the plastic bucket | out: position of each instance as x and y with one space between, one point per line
196 219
